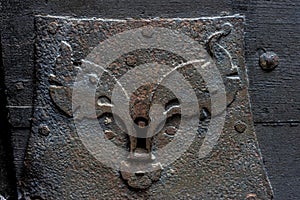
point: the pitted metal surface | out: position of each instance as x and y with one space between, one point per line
58 164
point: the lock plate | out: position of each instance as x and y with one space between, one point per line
142 108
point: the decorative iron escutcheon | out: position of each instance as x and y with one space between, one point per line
142 108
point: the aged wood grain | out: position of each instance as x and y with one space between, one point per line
279 143
275 96
7 175
275 26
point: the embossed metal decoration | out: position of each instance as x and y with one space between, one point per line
142 108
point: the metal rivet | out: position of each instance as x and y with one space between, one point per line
268 61
131 61
19 86
52 28
93 78
44 130
240 126
251 197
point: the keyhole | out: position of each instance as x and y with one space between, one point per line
141 143
141 132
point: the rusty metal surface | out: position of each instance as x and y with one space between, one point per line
58 164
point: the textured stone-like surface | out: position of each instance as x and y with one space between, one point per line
58 164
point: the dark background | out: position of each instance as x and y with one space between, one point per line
275 96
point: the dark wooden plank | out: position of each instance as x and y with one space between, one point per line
275 26
19 142
18 91
20 116
7 175
279 144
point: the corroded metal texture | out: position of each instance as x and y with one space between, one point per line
268 61
59 164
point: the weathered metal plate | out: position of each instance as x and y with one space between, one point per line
83 144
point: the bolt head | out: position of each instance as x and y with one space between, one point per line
268 61
20 86
131 61
240 127
93 78
251 196
44 130
52 28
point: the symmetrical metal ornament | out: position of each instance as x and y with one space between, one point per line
147 108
